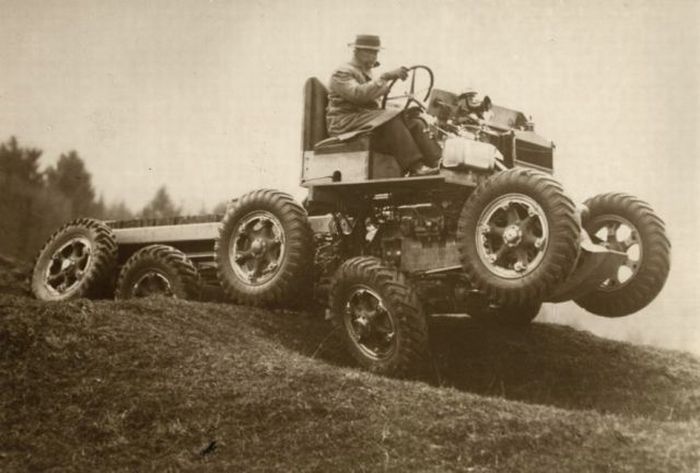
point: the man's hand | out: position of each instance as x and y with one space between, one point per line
399 73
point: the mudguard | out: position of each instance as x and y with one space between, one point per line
596 264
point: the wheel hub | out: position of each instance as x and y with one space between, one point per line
619 234
152 283
512 235
68 264
257 248
369 323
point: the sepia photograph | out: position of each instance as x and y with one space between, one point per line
349 236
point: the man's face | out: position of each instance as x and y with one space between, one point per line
366 57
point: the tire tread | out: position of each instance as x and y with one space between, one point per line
656 259
97 281
412 355
172 257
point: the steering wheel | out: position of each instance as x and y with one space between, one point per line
411 95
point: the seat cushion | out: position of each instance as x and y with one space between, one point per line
335 145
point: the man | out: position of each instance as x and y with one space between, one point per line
353 108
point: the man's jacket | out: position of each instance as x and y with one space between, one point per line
353 102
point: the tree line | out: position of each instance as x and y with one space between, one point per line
35 202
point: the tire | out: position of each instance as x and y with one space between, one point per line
272 239
480 310
78 260
395 312
518 237
639 279
159 270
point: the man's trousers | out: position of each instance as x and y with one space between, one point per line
407 139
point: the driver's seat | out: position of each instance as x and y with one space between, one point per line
330 158
315 134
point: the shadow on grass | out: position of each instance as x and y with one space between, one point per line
563 367
541 364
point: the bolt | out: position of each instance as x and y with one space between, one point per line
519 267
539 243
493 258
531 212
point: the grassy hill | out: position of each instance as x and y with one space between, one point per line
164 385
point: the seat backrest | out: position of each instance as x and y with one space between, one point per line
315 102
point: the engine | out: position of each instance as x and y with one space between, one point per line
412 236
415 237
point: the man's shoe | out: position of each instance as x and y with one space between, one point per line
423 170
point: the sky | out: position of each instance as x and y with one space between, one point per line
205 97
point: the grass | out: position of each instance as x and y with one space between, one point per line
14 276
165 385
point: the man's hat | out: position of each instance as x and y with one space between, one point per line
367 41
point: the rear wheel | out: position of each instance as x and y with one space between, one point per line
264 249
380 318
76 261
158 270
624 223
518 237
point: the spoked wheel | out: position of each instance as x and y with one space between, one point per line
258 245
619 234
264 249
369 323
415 94
159 270
512 236
76 261
380 318
68 265
624 223
518 237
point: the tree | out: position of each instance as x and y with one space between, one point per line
70 178
19 164
29 211
161 206
118 211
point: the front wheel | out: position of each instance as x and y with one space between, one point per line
624 223
380 317
518 237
